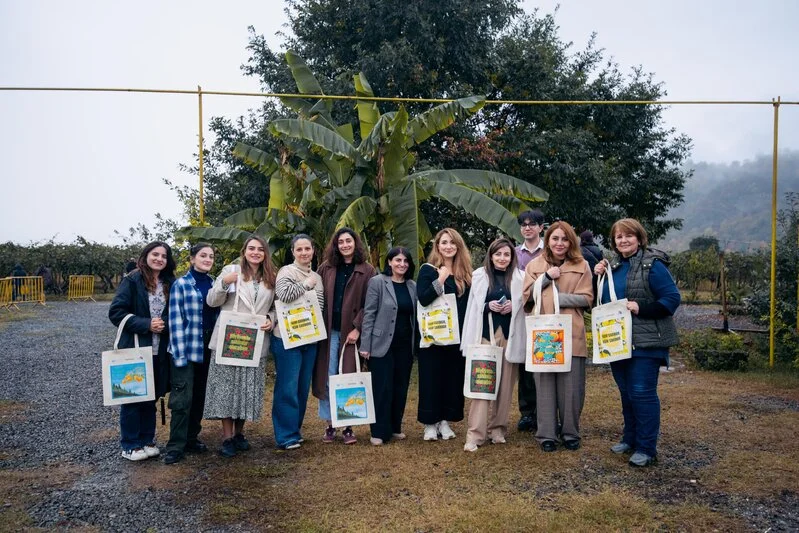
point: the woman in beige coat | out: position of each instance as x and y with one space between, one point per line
236 393
560 395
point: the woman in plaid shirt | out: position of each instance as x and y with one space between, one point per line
191 322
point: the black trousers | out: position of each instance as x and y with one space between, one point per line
441 371
527 402
187 400
391 375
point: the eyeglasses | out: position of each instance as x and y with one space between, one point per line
530 224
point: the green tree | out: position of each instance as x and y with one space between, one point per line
704 242
374 185
600 163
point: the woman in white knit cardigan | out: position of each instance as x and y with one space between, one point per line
293 366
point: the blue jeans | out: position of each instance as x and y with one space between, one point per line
637 379
136 424
332 370
294 369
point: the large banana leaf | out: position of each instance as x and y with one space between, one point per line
427 124
395 149
227 234
263 162
247 218
488 182
475 203
368 114
307 84
409 226
381 130
351 190
319 136
358 215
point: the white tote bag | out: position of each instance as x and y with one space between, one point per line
611 326
128 373
483 368
438 322
352 402
240 338
301 320
549 337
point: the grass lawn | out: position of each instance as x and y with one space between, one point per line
728 447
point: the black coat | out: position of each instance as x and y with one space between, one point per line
131 297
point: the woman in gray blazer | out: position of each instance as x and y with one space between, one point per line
387 340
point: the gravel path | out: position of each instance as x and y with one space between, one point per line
52 364
59 452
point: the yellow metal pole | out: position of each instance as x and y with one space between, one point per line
773 291
200 113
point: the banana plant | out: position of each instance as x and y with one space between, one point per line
373 185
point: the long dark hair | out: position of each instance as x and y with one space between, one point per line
266 270
488 264
334 257
167 275
394 252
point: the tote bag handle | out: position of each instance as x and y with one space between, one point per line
119 333
341 359
601 286
537 288
491 328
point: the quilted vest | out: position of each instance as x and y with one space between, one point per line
647 333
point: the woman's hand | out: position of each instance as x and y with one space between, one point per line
267 326
443 274
600 267
365 355
352 336
632 307
309 283
230 277
553 273
156 325
507 307
495 306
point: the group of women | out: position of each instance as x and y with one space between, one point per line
373 316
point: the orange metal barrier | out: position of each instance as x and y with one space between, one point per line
81 288
21 290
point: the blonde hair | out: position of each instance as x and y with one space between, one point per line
461 263
573 254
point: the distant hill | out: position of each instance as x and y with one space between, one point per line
732 202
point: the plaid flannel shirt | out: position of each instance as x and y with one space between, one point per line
185 321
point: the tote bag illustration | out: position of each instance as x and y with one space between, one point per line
549 337
483 368
128 373
438 322
240 338
351 399
611 326
301 320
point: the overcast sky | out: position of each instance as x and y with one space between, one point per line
89 163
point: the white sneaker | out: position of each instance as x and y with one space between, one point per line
470 447
134 455
445 430
399 436
152 450
499 439
430 432
376 442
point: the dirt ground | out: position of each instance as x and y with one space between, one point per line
728 459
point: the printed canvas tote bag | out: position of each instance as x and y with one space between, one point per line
240 338
483 368
438 322
611 326
352 402
128 373
301 320
549 337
